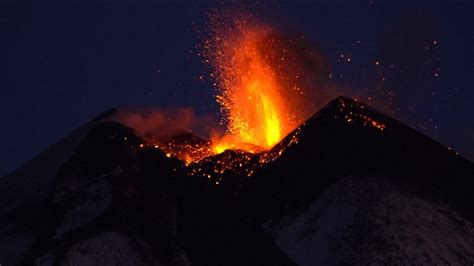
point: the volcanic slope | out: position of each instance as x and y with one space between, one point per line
349 186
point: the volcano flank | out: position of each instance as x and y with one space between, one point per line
349 186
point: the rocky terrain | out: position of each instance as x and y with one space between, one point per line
351 186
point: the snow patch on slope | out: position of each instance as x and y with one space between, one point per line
93 199
366 221
110 248
314 236
420 232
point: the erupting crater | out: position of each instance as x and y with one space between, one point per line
265 87
259 79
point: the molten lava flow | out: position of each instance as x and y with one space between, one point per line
258 84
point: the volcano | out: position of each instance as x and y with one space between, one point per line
349 186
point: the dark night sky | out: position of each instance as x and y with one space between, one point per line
65 62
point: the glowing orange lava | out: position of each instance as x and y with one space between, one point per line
257 84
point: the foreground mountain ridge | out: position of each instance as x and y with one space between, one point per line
349 186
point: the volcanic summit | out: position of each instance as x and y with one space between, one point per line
348 186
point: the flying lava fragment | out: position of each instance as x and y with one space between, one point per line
259 80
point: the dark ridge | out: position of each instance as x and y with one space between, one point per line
105 115
107 145
330 148
167 210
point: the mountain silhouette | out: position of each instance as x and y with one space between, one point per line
350 186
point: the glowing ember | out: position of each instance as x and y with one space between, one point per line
363 119
258 79
264 88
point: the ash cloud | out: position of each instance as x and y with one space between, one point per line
166 123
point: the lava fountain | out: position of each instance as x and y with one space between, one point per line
265 86
259 81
